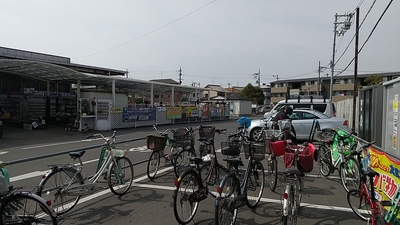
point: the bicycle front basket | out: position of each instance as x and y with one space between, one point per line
183 137
156 143
285 124
231 148
258 151
206 132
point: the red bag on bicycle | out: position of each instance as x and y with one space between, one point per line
306 161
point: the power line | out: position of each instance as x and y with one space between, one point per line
153 31
369 36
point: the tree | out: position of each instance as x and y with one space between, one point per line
374 80
253 93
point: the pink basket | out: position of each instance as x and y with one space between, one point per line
306 160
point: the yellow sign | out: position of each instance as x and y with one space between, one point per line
116 110
389 170
192 111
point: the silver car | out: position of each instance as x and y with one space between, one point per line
302 121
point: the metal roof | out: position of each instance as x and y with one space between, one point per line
55 73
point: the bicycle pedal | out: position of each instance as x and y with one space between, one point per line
278 212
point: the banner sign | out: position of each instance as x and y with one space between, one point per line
174 112
388 168
138 114
192 111
216 112
204 111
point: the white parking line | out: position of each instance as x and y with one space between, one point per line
60 143
2 153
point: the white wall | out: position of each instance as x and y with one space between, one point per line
344 109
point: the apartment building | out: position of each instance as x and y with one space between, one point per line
343 86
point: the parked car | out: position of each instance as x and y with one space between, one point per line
323 105
302 121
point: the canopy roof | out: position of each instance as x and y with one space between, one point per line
49 72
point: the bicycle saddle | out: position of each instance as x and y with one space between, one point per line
75 155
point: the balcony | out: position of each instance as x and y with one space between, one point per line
343 87
279 90
310 88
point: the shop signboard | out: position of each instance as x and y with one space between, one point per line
192 111
204 111
139 114
174 112
216 111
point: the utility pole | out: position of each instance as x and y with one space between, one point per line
277 76
258 77
180 75
355 69
346 27
320 68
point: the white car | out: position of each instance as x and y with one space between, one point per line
302 121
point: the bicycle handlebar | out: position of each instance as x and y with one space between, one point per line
162 132
112 138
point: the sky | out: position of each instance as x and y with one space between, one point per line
220 42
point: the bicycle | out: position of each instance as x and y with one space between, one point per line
298 161
332 154
157 143
185 137
233 192
22 207
363 201
272 139
64 184
191 187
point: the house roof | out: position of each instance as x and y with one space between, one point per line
216 88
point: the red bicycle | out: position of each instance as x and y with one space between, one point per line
363 201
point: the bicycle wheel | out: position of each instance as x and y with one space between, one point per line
214 180
324 161
26 208
182 161
225 210
255 184
54 189
350 174
153 164
272 172
297 195
359 204
120 175
380 220
185 206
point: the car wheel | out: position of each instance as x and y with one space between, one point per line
255 133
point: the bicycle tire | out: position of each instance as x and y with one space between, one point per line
324 161
297 196
255 184
182 161
215 176
187 184
350 174
51 188
380 220
272 173
225 209
120 175
359 204
153 164
26 208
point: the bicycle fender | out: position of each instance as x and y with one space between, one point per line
66 168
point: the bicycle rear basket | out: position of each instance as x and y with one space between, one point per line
183 137
206 132
258 151
156 143
231 148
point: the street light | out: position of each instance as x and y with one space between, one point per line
344 28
